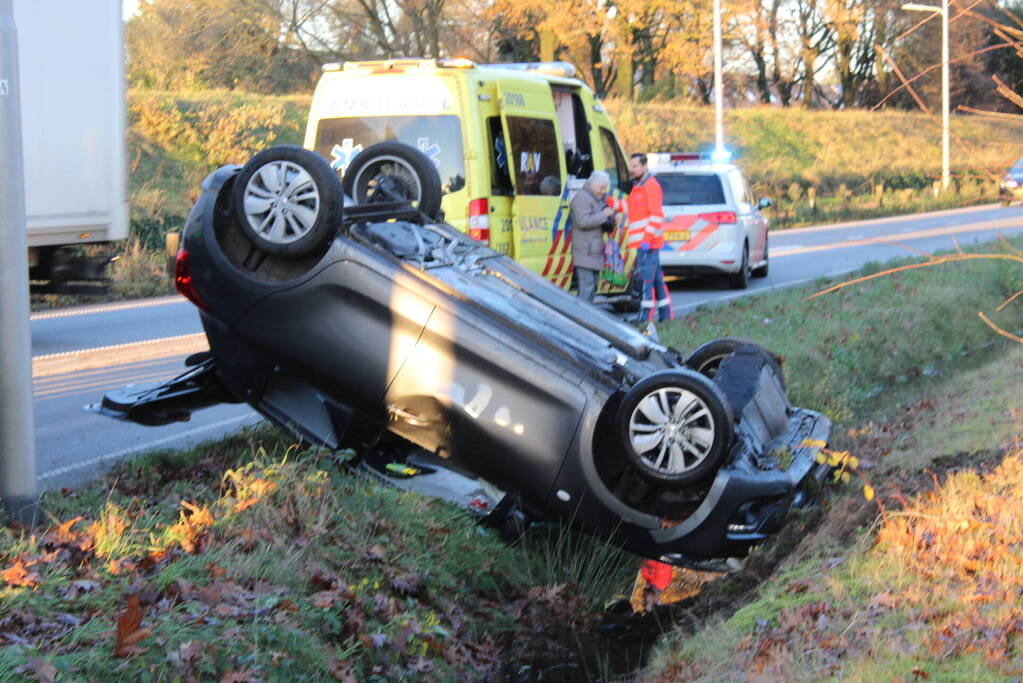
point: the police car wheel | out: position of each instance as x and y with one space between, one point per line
288 201
392 171
676 427
707 358
740 278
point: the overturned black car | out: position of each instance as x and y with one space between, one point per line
354 318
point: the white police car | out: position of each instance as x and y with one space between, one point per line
712 222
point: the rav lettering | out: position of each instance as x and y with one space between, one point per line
529 162
430 150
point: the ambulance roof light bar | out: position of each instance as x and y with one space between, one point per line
677 158
560 69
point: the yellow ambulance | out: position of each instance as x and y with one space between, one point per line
511 142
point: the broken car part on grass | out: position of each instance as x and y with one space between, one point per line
377 326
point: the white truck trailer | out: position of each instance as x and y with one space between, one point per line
73 134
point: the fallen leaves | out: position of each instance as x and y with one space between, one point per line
129 630
20 574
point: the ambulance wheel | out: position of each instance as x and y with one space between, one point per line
392 171
707 359
676 427
287 201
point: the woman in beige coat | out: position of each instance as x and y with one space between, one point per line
589 211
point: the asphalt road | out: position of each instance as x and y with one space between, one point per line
78 354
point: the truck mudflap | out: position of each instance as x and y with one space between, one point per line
163 403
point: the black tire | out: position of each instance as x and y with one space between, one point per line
707 358
763 270
392 171
678 415
287 201
740 279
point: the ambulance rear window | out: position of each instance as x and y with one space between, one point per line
691 188
439 137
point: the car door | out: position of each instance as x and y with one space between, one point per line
759 224
747 215
537 164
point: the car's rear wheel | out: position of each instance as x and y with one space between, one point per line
287 201
740 278
392 171
676 427
707 358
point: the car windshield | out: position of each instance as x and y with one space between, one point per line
1017 169
438 137
691 188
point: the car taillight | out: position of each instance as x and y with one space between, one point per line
479 220
183 280
719 217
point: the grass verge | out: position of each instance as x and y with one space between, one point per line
247 559
924 581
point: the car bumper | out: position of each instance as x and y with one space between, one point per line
724 257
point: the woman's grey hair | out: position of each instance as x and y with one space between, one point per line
598 180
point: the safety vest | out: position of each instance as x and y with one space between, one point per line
646 213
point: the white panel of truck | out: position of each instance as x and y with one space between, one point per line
73 120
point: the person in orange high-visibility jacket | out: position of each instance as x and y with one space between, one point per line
646 235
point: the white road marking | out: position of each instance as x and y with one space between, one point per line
916 234
106 308
149 445
890 219
104 356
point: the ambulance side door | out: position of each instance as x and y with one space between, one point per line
537 163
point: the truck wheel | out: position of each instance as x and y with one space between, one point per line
707 359
392 171
288 201
676 427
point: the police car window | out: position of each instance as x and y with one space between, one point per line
614 162
500 180
438 137
739 190
535 156
691 188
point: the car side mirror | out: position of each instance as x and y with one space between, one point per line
764 202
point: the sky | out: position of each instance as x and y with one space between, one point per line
130 7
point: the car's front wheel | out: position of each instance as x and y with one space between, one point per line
676 427
762 270
707 358
287 201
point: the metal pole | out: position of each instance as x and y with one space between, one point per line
946 176
719 101
18 486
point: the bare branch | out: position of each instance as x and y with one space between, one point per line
999 330
1016 118
898 72
1009 300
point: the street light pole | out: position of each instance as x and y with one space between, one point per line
18 487
946 176
719 102
946 154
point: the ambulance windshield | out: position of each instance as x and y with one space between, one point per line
339 140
